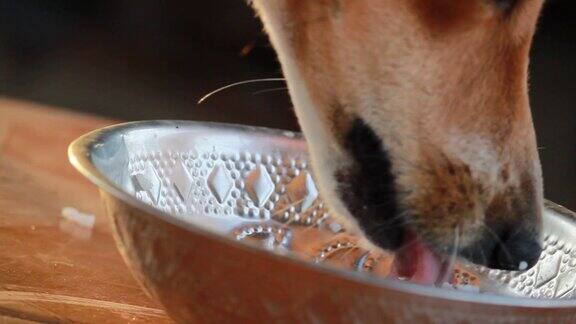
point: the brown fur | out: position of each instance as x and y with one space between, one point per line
443 83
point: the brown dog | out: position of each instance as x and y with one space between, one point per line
417 117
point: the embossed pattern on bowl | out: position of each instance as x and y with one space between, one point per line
225 185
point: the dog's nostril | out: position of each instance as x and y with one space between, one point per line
517 252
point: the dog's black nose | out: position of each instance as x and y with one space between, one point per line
515 248
518 251
511 236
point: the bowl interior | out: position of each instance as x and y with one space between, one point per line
255 185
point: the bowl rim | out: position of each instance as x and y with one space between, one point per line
79 154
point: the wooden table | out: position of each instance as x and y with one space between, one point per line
52 269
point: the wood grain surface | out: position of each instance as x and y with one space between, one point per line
53 269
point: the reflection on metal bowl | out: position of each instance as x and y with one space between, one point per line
223 222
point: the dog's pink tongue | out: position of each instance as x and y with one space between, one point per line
417 263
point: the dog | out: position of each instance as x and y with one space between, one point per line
418 123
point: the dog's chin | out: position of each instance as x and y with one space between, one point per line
381 224
415 260
367 188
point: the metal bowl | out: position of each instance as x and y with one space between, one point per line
222 222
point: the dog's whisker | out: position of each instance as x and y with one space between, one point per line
269 90
451 260
235 84
502 246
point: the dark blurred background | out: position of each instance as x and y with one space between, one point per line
142 59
